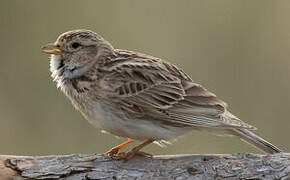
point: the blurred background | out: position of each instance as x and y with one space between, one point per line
237 49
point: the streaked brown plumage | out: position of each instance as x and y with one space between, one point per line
137 96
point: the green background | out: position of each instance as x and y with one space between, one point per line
238 49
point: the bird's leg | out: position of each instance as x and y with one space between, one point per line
136 150
112 152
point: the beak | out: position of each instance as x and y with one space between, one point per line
51 49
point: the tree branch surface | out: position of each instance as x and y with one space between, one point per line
178 167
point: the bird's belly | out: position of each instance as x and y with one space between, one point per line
117 123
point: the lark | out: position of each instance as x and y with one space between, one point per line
137 96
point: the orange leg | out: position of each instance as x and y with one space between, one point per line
136 150
112 152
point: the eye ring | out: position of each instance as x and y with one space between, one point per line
75 45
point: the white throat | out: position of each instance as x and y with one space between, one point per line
55 63
61 71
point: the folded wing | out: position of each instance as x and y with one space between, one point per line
145 86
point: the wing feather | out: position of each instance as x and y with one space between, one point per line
147 86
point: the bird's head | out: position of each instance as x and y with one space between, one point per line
75 52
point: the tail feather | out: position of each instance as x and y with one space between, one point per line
257 141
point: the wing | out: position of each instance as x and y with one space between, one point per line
146 86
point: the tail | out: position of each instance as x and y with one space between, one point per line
257 141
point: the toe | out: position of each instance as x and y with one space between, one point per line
141 153
129 155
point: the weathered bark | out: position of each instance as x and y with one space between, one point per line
236 166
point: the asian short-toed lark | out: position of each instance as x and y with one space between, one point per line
138 96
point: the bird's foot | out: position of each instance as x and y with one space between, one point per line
128 155
112 152
144 154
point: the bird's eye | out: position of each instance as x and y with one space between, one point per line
75 45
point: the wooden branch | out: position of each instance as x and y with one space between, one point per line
75 167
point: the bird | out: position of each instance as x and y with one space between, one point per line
138 96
